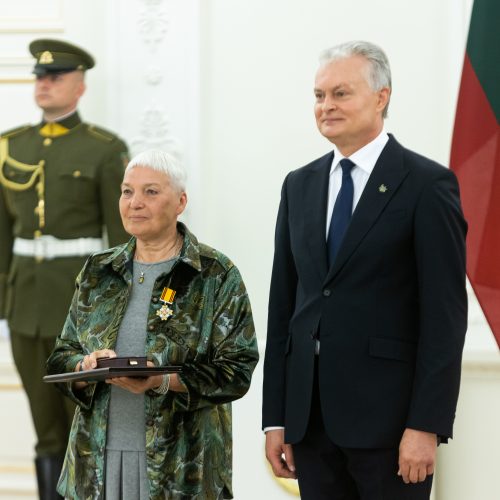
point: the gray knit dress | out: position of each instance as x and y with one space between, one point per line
126 477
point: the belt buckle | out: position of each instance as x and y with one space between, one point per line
40 248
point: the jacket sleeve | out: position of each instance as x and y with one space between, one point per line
227 371
440 231
281 308
6 242
66 355
111 177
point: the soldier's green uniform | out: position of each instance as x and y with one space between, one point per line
59 189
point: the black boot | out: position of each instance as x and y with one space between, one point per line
48 470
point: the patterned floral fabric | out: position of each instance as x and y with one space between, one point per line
211 333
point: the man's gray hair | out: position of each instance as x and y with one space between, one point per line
379 74
161 161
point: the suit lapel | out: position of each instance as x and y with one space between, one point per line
315 203
387 175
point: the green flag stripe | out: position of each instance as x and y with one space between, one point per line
483 49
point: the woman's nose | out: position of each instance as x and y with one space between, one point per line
136 201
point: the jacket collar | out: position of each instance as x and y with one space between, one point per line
69 122
122 256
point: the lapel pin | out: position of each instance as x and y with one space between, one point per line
382 188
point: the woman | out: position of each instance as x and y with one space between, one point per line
177 301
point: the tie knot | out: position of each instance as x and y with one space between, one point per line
346 165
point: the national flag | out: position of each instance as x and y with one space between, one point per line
475 156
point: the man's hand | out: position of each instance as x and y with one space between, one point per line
279 454
417 455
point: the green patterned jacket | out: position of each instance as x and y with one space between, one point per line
211 333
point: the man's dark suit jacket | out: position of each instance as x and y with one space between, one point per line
391 311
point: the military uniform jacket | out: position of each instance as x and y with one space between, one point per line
82 174
211 333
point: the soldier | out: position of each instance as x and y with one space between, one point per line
59 188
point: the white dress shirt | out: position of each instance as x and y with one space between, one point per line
364 160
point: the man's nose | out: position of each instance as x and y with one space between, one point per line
43 82
329 103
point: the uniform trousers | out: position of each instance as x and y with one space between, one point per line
327 471
52 413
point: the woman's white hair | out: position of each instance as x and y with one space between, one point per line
379 74
161 161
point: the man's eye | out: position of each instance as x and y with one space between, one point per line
152 191
126 192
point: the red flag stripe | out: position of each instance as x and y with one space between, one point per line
475 158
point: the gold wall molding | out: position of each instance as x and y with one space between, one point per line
10 387
13 81
17 469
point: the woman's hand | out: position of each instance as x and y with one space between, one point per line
89 362
141 385
137 385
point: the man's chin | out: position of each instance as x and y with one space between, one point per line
330 133
45 106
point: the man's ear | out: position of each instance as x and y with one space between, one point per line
384 95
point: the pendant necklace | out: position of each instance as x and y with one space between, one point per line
143 273
176 249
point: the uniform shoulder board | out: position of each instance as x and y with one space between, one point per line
15 131
100 133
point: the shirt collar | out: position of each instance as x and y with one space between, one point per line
364 158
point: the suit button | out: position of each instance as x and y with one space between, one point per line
155 299
151 328
327 293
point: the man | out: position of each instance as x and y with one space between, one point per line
367 309
59 186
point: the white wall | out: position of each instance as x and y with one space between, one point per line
259 59
235 85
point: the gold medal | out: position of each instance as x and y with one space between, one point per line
167 297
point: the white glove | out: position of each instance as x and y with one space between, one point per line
4 329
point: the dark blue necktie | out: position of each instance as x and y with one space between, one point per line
342 211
